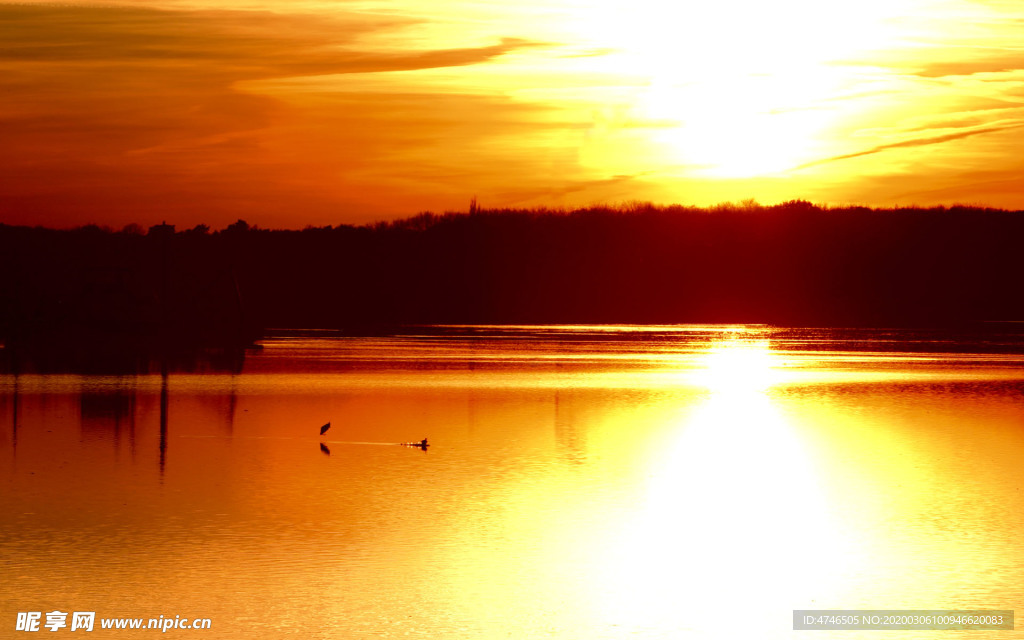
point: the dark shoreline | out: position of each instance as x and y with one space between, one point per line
793 264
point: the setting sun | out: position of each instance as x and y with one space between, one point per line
741 89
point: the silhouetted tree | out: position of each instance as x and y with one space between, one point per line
793 263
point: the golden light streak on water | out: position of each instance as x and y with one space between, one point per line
732 520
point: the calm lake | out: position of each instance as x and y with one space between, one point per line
581 483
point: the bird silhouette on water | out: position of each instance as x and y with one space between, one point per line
422 444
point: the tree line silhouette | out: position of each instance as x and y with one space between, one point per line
790 264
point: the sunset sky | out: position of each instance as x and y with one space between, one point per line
317 112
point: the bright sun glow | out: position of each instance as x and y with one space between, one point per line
731 508
741 88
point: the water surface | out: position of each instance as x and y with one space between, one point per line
583 482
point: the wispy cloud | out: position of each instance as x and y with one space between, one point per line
986 62
127 112
917 142
239 44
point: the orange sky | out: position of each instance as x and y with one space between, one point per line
323 112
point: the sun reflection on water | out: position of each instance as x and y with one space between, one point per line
739 367
732 517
